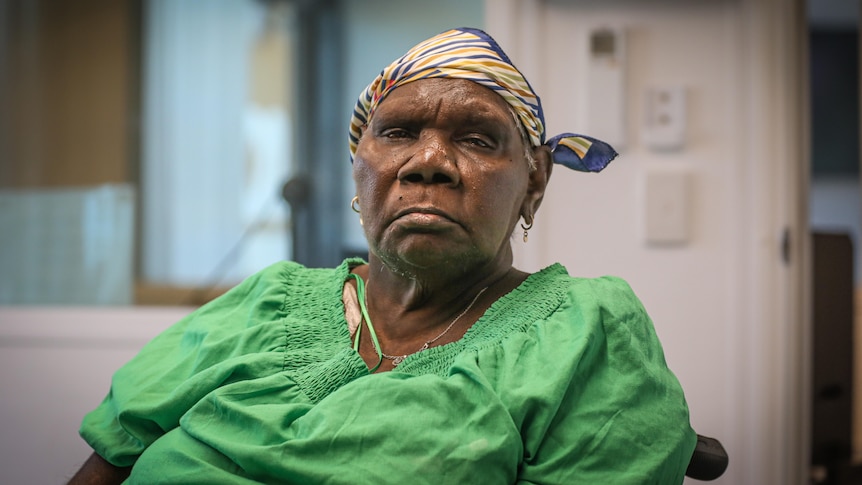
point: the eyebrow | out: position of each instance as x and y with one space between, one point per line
500 124
472 117
493 121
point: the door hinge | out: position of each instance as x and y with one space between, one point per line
785 246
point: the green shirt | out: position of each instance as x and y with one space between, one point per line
563 380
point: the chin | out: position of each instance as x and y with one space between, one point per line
421 261
409 265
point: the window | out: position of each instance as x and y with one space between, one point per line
217 139
144 144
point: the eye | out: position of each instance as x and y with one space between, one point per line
479 141
395 133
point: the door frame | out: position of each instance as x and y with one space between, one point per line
770 374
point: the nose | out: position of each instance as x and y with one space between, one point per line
432 163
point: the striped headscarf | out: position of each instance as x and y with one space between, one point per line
472 54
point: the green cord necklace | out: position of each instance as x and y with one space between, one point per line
360 295
396 359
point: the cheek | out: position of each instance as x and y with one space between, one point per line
496 206
373 167
361 176
503 194
371 183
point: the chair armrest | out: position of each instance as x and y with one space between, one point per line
709 460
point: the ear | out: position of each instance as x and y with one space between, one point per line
538 182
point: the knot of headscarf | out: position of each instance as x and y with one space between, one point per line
472 54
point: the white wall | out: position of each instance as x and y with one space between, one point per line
721 301
55 365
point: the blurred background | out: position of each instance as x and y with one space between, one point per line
153 153
145 144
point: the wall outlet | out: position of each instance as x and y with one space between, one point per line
664 121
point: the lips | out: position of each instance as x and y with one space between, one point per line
422 210
423 215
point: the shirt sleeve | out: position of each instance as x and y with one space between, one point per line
237 336
616 413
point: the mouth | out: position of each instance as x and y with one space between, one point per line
424 216
422 210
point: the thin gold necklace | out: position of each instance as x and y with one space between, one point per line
397 359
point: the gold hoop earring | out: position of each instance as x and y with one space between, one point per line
354 205
527 227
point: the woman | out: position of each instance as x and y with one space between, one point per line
435 362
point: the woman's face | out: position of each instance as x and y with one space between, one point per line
442 178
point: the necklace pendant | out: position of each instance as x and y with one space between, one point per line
398 360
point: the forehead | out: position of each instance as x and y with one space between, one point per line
454 96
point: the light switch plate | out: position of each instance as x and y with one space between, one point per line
666 206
